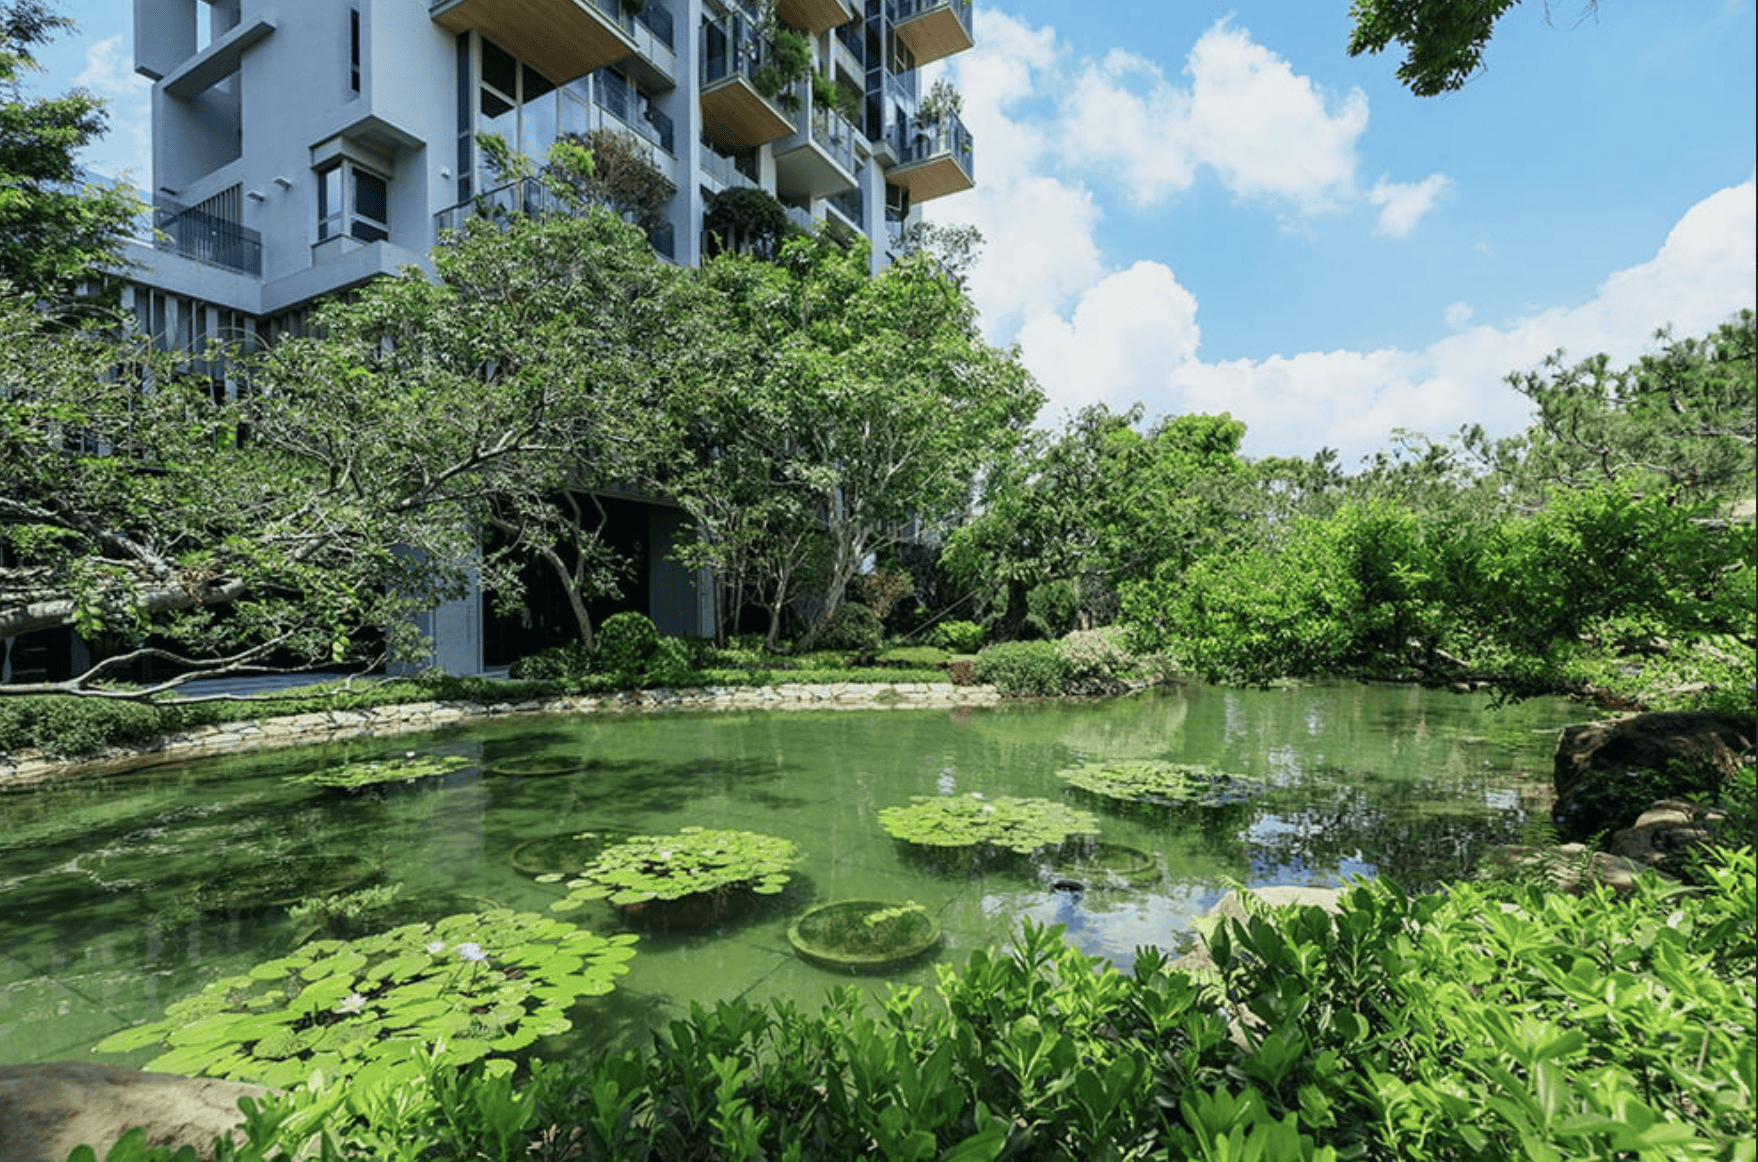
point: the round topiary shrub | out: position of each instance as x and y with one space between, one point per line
673 663
1024 668
961 637
626 641
853 628
558 662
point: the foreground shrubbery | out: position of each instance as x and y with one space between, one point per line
1491 1021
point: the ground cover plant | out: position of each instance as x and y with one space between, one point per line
1491 1022
470 986
1003 824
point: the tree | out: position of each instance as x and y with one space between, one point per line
1443 39
1096 506
869 406
54 228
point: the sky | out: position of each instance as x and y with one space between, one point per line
1213 208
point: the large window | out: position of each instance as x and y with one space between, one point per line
352 202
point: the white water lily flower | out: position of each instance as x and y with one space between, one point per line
472 952
352 1003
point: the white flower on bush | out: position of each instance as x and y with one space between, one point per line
1094 654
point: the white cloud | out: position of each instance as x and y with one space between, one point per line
1293 405
127 145
1120 343
108 72
1403 204
1458 314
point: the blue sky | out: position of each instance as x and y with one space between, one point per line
1211 207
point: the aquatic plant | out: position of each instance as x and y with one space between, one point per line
1003 823
377 773
1099 864
536 766
1156 783
475 985
280 882
566 853
673 867
863 935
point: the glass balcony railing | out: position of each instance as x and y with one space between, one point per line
656 18
530 197
833 133
851 204
922 141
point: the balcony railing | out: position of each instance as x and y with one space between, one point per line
851 204
934 158
735 109
656 18
615 96
203 237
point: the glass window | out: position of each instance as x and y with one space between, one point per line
352 202
329 203
372 213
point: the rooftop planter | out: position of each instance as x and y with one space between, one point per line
864 935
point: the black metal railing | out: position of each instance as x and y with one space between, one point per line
205 237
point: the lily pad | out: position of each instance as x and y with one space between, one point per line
467 986
383 774
1001 824
1156 783
864 935
704 870
566 852
537 766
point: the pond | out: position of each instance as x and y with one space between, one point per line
125 893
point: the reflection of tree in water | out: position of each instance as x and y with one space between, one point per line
1414 834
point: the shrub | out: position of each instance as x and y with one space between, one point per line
961 637
853 628
1023 668
673 663
556 663
625 643
1096 659
65 726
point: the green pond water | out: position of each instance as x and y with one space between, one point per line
121 894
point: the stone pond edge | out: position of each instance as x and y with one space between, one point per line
29 768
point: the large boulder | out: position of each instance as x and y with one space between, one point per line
47 1110
1607 773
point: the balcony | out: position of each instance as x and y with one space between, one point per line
819 159
530 197
932 29
934 159
202 236
734 110
814 16
562 39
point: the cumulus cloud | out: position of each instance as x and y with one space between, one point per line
1403 204
126 148
108 72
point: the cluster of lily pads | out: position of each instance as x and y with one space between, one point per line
695 861
473 985
1000 824
1157 783
382 773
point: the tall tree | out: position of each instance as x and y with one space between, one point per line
872 402
55 227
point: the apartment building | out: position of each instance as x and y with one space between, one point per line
304 147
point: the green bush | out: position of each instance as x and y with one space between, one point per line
65 726
625 643
854 628
556 663
1023 668
961 637
673 663
1096 658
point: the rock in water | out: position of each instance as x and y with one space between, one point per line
46 1110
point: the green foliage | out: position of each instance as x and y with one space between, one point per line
402 770
673 663
1157 783
745 220
1024 668
1001 824
1443 40
573 660
67 727
346 914
1491 1023
475 984
912 657
961 637
55 231
1096 659
695 861
853 628
626 642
